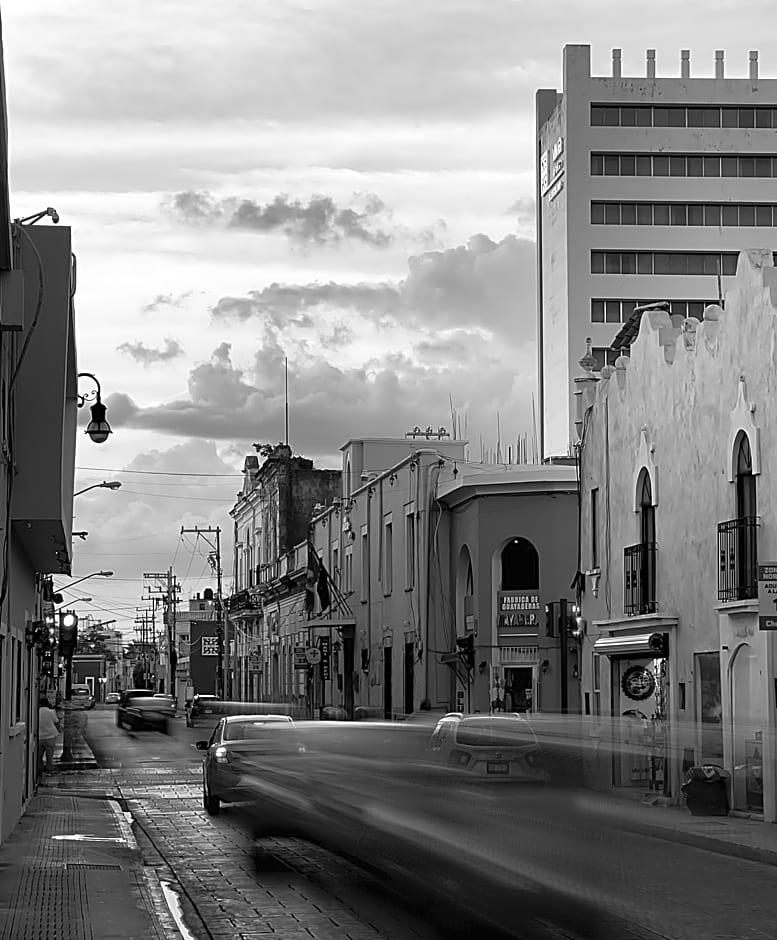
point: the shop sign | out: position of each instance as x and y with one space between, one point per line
300 662
325 645
767 596
518 613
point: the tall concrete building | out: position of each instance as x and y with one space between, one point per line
647 188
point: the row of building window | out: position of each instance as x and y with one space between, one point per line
684 213
664 262
681 116
604 356
762 166
619 311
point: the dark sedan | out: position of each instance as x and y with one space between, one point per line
138 709
236 743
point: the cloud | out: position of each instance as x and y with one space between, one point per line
367 359
318 221
146 355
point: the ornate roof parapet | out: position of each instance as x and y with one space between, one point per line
585 388
689 333
711 325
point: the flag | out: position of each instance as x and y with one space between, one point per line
322 587
312 576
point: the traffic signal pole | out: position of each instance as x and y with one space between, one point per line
563 629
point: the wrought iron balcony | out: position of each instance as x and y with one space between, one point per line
639 579
738 559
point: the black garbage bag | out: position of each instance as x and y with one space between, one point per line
706 791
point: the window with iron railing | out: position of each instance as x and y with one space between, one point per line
738 559
639 579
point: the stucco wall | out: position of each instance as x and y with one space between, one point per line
670 407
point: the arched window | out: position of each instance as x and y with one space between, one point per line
520 566
745 479
647 511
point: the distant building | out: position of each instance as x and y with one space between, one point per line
199 643
647 188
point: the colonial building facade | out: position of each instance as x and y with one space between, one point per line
678 456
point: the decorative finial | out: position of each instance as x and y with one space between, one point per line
588 362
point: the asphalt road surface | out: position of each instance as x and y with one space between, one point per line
291 888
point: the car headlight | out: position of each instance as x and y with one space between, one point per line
220 755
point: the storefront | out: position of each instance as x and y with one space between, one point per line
639 681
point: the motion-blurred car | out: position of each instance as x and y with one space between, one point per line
81 696
112 698
201 706
237 742
490 747
138 709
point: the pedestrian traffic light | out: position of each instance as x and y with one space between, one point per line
466 650
50 638
68 633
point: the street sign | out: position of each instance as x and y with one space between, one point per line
767 596
300 661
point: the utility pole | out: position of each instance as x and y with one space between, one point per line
563 630
144 628
214 559
166 591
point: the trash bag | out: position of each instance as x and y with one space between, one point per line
706 791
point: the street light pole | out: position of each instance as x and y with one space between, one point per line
94 574
106 484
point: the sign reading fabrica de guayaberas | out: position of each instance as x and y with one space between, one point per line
767 596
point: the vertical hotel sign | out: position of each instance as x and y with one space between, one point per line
767 596
552 170
518 616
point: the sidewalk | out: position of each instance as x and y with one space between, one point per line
726 835
72 869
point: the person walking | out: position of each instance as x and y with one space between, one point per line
48 729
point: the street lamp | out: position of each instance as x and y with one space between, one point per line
98 428
106 484
77 600
94 574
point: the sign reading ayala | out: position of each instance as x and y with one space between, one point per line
767 596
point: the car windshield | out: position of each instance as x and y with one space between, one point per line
498 732
251 730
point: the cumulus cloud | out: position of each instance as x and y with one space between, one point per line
458 316
147 355
318 221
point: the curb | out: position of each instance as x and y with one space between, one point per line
751 853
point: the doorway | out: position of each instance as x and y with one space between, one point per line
409 677
387 702
519 689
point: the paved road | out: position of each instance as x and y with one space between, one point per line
660 888
287 888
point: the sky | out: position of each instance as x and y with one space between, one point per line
341 189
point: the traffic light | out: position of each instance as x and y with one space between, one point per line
466 650
68 633
659 645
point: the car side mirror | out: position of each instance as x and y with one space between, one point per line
201 745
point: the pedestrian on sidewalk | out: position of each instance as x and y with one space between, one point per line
48 729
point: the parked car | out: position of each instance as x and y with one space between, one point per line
198 707
81 696
236 742
112 698
490 747
139 709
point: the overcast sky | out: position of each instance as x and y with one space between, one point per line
347 185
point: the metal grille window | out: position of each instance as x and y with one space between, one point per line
743 166
738 559
664 262
739 215
613 115
609 310
639 571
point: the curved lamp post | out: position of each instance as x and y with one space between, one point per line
106 484
94 574
98 428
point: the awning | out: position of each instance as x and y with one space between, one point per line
643 644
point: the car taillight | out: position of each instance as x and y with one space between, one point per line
220 755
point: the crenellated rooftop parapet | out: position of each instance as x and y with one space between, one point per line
671 340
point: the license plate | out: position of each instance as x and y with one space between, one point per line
207 711
497 768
